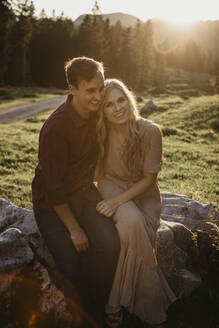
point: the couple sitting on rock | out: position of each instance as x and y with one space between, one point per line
102 236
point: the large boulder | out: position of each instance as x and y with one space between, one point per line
29 279
148 108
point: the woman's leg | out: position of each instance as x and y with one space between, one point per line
99 262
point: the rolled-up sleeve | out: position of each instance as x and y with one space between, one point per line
153 150
53 161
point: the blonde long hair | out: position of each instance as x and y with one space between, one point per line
132 154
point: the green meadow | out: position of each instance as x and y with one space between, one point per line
191 149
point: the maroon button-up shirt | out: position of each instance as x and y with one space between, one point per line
68 151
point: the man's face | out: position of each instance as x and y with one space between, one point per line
88 95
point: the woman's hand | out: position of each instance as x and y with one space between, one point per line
108 207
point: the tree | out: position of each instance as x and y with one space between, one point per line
51 45
126 60
193 60
114 50
18 72
143 54
160 57
96 9
147 56
83 40
7 19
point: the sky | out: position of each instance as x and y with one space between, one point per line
175 11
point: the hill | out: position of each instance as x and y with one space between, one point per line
190 127
126 20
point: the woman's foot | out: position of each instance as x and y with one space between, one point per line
114 320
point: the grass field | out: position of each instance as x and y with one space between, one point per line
190 128
191 147
12 96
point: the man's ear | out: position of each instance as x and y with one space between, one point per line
72 89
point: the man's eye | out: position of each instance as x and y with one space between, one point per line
109 104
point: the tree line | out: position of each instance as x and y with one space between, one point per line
33 49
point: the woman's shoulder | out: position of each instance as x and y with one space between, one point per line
148 127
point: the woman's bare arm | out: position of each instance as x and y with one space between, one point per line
108 207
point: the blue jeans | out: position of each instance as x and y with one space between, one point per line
91 272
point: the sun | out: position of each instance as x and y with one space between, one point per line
181 22
178 20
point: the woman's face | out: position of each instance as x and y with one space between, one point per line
116 107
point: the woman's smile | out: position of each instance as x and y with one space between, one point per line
119 114
116 107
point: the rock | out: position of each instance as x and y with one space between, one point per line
29 298
165 249
179 208
29 279
173 243
148 108
23 219
185 282
139 99
14 250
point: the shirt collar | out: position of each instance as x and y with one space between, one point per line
74 115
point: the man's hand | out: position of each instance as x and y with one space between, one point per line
108 207
78 237
79 240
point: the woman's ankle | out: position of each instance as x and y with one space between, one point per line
114 320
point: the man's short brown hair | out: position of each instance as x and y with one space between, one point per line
81 68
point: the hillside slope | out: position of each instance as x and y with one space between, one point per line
126 20
191 146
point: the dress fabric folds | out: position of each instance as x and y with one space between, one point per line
139 284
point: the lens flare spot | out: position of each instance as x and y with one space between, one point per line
163 47
32 320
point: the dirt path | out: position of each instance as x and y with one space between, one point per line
18 112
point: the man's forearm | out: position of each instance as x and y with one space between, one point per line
65 214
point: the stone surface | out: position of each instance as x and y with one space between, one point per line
27 270
185 282
194 215
149 107
30 298
15 251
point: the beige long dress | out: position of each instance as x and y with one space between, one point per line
138 285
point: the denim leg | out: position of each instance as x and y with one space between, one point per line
58 241
91 272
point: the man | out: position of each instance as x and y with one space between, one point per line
84 243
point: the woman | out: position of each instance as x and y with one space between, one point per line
130 158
